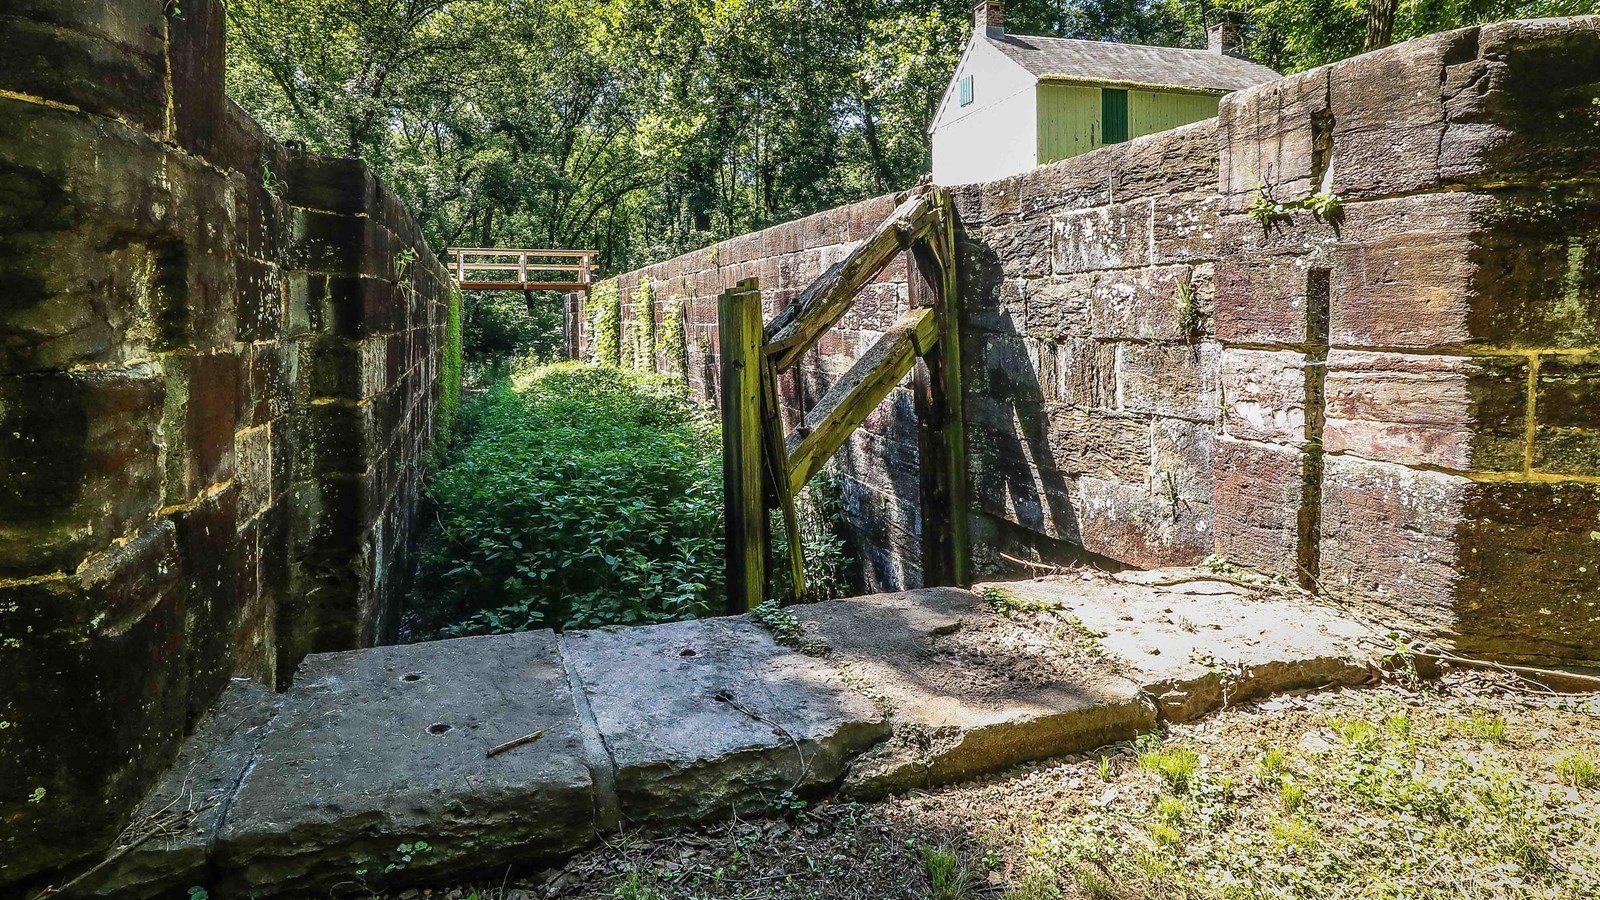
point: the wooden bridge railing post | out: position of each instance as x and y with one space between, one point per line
739 328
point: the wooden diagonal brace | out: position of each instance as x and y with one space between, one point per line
859 391
803 322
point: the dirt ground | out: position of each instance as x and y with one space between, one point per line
1474 785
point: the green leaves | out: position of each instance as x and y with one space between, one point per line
583 496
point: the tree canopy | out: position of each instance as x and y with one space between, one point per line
647 128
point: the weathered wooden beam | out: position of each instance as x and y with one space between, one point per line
858 392
803 322
775 458
745 512
954 431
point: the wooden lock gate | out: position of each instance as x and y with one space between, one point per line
761 463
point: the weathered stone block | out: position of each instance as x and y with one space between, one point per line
1140 523
1267 136
1256 505
1082 373
1388 114
1157 303
104 61
94 700
79 463
1107 237
746 721
1567 415
208 548
1450 412
1183 460
1051 308
1185 227
440 707
198 421
1510 569
1168 379
1512 110
1180 160
195 49
1264 395
1087 442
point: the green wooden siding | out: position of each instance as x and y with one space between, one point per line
1072 117
1151 111
1069 121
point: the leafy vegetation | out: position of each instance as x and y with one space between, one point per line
574 496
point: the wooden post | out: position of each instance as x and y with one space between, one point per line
461 266
924 284
954 417
522 268
745 509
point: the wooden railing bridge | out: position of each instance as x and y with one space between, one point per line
522 270
764 468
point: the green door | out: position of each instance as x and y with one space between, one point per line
1113 116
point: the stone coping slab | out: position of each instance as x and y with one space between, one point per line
313 792
1195 641
969 690
700 717
372 749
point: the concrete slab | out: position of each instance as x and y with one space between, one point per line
166 847
374 748
700 717
969 691
1195 642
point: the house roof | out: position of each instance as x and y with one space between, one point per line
1134 64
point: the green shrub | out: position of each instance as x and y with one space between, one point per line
573 496
576 496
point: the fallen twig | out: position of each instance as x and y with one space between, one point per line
513 744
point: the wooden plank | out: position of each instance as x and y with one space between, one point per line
513 251
521 285
745 512
518 267
803 322
858 392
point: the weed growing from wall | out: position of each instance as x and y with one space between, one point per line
607 324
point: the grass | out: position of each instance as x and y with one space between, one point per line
1578 770
1177 767
948 877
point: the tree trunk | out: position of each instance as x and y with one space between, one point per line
1380 24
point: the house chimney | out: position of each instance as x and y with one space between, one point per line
1223 37
989 17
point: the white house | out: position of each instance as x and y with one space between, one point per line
1018 101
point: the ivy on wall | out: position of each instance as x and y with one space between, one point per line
644 327
450 389
673 339
607 324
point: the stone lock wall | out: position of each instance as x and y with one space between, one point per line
219 370
1391 403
